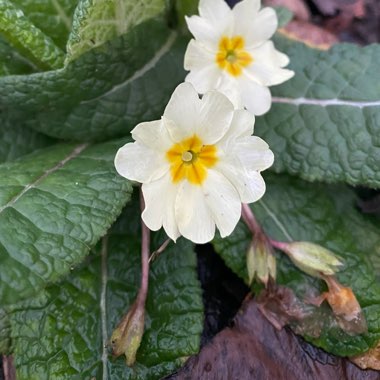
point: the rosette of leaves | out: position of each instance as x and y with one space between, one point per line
75 78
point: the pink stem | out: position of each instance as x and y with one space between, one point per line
278 244
255 228
145 243
9 368
250 219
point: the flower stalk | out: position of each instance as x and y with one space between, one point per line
158 251
126 338
250 220
311 258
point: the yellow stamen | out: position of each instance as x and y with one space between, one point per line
190 159
231 55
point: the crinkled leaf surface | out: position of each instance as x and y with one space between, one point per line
98 21
16 140
53 17
324 123
5 332
11 62
106 91
295 210
19 31
61 334
54 205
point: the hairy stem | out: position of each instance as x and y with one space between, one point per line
254 226
9 368
278 244
145 243
158 251
250 220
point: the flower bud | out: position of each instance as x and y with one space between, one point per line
126 338
311 258
260 261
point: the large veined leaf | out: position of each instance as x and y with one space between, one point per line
63 333
324 123
98 21
53 17
295 210
54 205
17 141
106 91
19 31
11 62
5 332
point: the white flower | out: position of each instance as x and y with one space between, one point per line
196 165
231 53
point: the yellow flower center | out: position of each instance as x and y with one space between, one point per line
190 159
231 55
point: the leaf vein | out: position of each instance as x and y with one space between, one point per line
276 220
65 18
139 73
59 165
326 102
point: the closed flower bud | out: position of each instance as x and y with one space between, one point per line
260 261
311 258
126 338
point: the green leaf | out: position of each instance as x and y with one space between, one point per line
185 8
11 62
105 92
324 123
284 15
62 333
53 17
16 140
98 21
25 36
5 332
54 206
295 210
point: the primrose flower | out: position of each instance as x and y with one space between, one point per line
231 53
196 165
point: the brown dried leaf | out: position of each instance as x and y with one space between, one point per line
254 349
310 34
280 306
345 306
344 12
330 7
370 359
